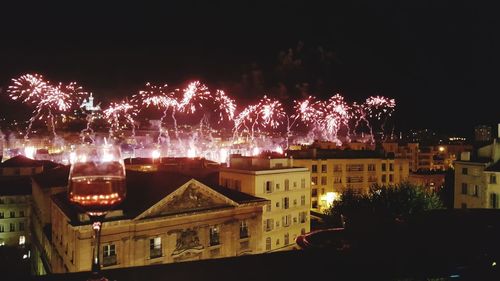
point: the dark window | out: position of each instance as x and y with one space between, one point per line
384 167
286 203
493 179
302 200
323 180
323 168
287 185
314 168
214 236
21 226
12 214
314 192
391 167
21 214
464 188
314 180
1 228
1 215
12 227
287 239
476 191
269 186
493 201
268 243
465 171
314 204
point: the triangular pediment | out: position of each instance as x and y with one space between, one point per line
190 197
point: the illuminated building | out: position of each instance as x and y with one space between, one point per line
477 178
15 199
482 133
334 171
287 188
167 217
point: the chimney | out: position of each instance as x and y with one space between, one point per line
465 156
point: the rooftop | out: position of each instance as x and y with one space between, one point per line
56 177
335 154
23 161
145 189
15 185
493 168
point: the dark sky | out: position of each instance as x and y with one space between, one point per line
440 61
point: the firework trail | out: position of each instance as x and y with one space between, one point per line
160 98
118 113
379 108
336 114
48 99
226 105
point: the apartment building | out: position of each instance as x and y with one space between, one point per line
287 189
334 171
477 178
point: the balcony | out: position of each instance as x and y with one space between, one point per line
155 253
109 261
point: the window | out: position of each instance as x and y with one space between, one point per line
302 217
391 167
21 226
314 204
323 180
323 168
1 215
337 168
287 185
465 171
355 167
277 186
268 243
214 236
494 200
464 188
1 228
384 167
155 247
268 187
314 192
286 220
1 201
337 180
475 191
314 180
286 203
268 206
303 183
314 168
268 225
391 178
22 240
287 239
243 229
21 214
493 179
237 185
294 202
384 178
295 184
12 227
108 255
371 167
12 214
302 200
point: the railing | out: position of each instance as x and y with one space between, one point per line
109 260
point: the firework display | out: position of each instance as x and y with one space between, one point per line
207 123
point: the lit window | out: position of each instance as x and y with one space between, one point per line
155 247
22 240
109 255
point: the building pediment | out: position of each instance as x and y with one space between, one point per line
190 197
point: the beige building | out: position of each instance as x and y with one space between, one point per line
287 188
167 217
477 178
15 199
334 171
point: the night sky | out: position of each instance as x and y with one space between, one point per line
440 61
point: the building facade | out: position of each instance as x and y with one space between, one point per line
286 214
166 218
15 201
332 172
476 178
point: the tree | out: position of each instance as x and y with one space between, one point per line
384 204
